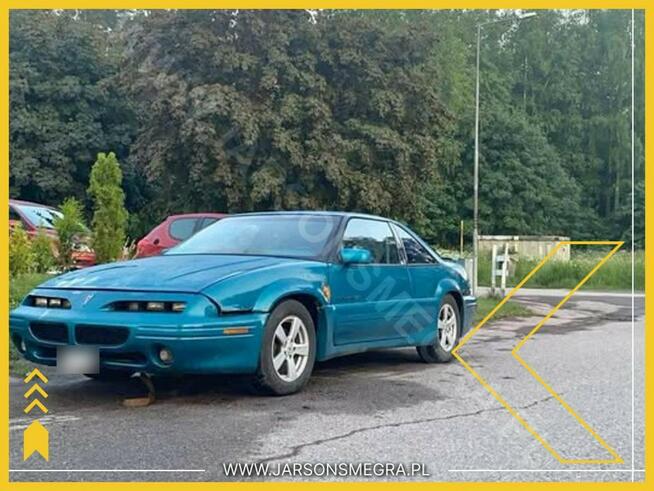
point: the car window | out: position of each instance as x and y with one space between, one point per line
416 253
374 235
182 228
281 235
206 222
39 216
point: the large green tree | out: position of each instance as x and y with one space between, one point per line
64 107
270 110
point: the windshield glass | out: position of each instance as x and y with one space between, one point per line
302 236
39 215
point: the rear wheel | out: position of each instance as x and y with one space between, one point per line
288 351
447 333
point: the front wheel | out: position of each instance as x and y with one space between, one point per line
447 335
288 351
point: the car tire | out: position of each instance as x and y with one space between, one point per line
448 329
108 375
288 350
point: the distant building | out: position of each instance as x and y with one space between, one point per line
526 246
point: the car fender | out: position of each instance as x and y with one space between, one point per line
448 285
260 289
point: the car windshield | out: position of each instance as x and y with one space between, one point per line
302 236
39 215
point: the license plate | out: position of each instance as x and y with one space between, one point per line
78 359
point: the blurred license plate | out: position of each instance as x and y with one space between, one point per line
78 359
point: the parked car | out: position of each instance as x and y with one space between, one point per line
34 217
173 230
266 294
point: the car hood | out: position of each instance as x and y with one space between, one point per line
174 272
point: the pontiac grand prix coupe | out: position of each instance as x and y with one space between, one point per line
260 293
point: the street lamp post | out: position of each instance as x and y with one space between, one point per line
475 227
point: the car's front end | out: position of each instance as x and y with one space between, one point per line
155 332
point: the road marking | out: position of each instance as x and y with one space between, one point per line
616 458
22 423
107 470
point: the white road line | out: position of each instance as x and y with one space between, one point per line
16 424
107 470
546 470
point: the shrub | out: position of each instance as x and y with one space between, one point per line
44 258
109 214
21 257
68 226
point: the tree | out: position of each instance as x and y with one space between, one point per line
64 104
68 226
259 110
109 214
42 249
21 258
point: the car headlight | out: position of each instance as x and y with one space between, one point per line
148 306
47 302
82 248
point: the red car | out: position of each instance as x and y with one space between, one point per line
34 217
173 230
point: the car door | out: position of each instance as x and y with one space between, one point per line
425 272
369 299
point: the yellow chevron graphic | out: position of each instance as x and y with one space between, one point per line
616 458
35 388
36 403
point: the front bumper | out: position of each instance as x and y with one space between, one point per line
200 339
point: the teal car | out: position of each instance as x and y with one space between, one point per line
266 294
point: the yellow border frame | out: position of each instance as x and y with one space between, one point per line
336 4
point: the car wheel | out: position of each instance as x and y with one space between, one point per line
447 335
108 375
288 350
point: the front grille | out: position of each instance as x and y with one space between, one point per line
49 331
101 335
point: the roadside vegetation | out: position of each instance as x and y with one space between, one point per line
509 309
614 275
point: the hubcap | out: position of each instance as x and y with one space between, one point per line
447 327
290 348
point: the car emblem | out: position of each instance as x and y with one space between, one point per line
88 298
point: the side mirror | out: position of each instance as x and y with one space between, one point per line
355 256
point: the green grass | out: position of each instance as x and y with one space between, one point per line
614 275
18 288
509 309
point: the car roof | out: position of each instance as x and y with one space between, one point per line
196 215
347 214
29 203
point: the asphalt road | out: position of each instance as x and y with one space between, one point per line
382 406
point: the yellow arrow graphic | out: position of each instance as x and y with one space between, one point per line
35 403
36 439
616 458
35 388
36 373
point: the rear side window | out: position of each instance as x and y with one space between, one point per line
182 228
374 235
206 222
415 252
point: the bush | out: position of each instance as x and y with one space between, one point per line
44 258
109 214
21 256
68 226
